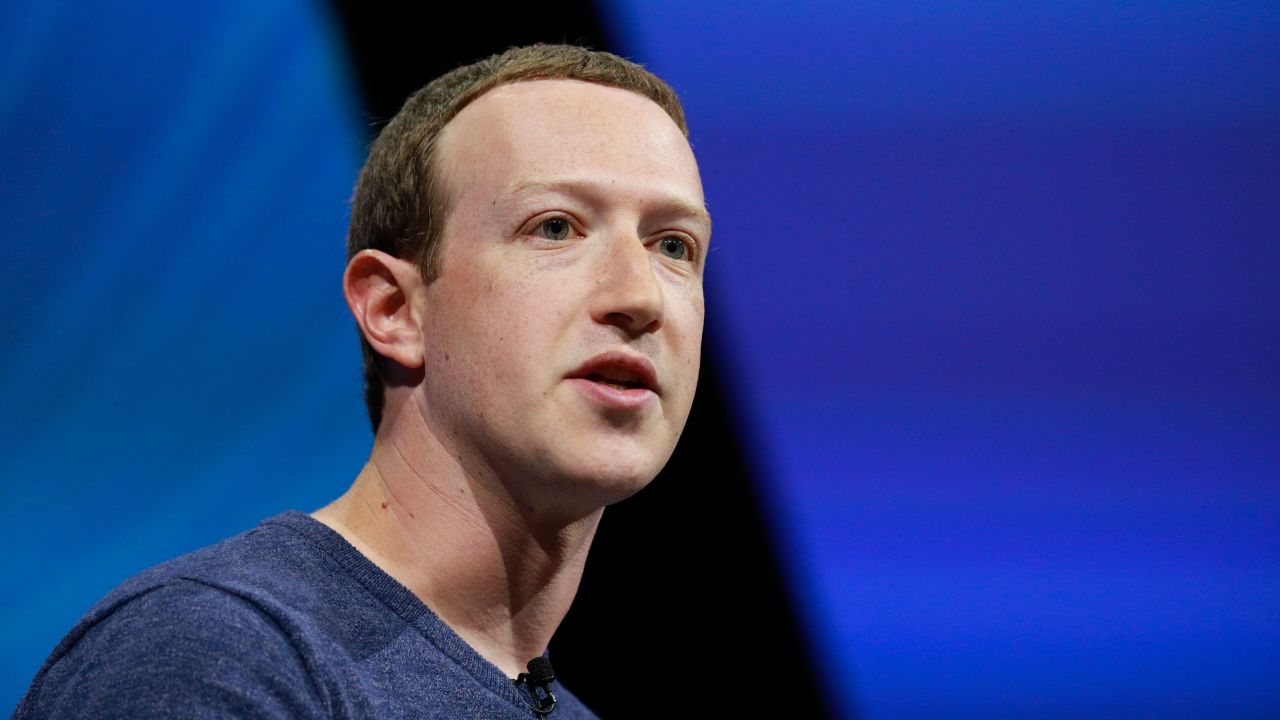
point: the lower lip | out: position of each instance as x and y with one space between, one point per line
610 396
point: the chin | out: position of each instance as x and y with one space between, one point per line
618 479
592 483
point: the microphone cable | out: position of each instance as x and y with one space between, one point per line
537 683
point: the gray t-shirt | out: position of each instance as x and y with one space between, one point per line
285 620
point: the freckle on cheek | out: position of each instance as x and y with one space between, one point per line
384 506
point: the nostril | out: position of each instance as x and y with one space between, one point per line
634 321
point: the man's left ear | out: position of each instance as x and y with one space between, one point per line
379 289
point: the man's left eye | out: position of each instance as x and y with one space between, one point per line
674 247
554 228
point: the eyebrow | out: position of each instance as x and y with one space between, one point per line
583 187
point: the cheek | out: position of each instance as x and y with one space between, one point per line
505 333
687 315
684 325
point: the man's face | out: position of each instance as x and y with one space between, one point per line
563 334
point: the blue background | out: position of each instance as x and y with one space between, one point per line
177 361
997 283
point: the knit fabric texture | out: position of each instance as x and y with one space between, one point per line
287 620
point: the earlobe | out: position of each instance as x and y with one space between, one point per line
380 290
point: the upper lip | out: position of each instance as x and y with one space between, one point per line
619 366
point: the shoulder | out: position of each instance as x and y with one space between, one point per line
200 636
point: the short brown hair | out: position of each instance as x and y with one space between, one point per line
399 207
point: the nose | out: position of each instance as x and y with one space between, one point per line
628 293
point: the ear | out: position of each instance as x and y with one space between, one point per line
380 290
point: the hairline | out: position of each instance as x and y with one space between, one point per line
440 194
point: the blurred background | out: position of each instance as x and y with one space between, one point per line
990 415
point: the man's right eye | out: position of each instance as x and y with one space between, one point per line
554 228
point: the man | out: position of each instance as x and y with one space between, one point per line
526 252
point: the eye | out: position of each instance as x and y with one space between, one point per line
674 247
556 228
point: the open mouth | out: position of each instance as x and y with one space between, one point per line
620 371
617 379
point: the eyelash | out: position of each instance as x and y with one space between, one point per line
690 247
541 222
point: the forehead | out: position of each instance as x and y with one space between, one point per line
550 130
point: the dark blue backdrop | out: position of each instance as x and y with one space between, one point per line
998 282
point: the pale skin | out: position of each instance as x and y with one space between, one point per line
576 236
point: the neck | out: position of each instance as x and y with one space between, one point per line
502 579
